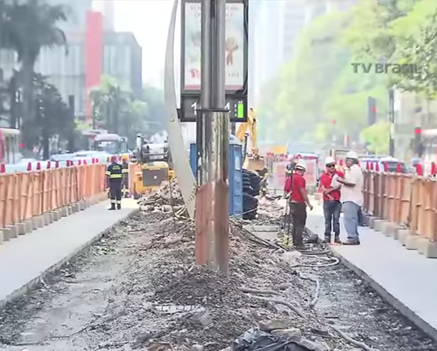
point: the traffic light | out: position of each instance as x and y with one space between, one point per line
371 111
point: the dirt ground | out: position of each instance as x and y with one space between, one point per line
138 288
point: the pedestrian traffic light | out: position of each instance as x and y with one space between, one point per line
371 111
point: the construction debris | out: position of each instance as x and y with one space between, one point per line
139 288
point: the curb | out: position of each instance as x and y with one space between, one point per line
28 287
18 229
389 298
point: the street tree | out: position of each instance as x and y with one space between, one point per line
52 118
28 27
116 109
154 109
317 86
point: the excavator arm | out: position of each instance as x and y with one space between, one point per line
249 129
253 161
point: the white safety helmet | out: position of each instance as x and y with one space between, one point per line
329 161
352 154
301 165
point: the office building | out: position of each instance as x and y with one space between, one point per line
294 16
265 48
122 59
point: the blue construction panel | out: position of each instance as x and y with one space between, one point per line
235 176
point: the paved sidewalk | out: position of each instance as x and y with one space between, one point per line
25 259
405 278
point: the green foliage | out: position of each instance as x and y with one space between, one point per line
116 110
154 110
31 25
319 84
28 26
53 117
317 87
377 137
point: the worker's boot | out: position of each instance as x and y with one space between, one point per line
112 208
327 239
337 239
118 207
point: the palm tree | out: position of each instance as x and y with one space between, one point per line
109 101
30 26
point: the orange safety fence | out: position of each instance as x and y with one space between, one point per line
30 194
406 200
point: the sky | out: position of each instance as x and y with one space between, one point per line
148 20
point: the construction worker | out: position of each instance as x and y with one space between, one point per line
351 197
264 174
114 178
290 167
125 182
296 187
331 200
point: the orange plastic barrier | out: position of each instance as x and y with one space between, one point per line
406 200
30 194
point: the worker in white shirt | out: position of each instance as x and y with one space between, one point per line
351 197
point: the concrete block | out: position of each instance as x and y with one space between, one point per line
37 222
28 227
2 238
70 210
427 248
411 242
366 218
21 227
378 225
64 211
10 232
82 205
48 218
56 215
372 220
402 235
75 207
389 228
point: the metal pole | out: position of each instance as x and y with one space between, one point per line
205 95
220 140
391 117
204 230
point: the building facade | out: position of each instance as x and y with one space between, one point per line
122 59
265 47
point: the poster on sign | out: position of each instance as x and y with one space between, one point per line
235 46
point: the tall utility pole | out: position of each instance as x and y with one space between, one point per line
391 117
220 139
214 131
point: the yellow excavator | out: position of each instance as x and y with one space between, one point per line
154 166
252 160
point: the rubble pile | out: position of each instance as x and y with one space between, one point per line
173 304
139 288
165 198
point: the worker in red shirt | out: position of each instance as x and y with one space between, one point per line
331 200
295 186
